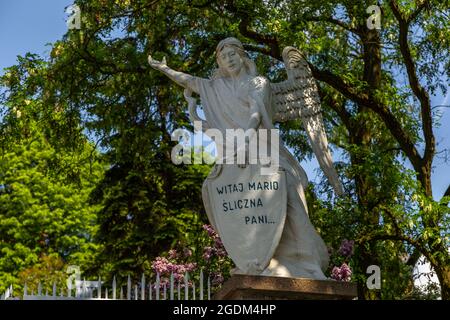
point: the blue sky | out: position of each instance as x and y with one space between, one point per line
28 25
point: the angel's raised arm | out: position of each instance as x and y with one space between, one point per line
183 79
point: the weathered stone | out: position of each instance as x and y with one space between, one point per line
249 212
234 99
243 287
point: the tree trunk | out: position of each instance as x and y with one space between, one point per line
443 274
444 279
442 269
362 138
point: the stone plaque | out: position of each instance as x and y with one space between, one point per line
249 211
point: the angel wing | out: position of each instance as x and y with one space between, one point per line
298 97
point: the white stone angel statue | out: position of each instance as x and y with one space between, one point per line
236 97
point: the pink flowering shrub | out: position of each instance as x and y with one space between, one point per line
207 253
346 248
342 273
341 260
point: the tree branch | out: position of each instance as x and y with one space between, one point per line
418 10
413 258
262 50
418 90
345 116
333 21
347 90
386 115
392 217
396 237
446 194
244 27
271 41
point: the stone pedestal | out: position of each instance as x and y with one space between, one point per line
242 287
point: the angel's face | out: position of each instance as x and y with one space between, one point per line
230 60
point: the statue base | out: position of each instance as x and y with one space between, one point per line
244 287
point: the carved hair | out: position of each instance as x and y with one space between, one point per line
234 43
291 53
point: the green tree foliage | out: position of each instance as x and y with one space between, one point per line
147 206
50 270
43 195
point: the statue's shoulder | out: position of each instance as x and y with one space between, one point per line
259 82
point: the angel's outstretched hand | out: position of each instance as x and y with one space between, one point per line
155 63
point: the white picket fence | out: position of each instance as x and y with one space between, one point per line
97 290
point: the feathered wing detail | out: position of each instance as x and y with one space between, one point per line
298 97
